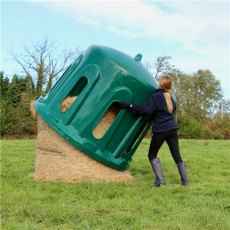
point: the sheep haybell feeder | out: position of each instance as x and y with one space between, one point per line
90 122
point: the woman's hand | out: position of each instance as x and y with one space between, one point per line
121 105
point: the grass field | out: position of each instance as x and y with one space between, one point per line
205 204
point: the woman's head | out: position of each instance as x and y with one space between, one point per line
165 82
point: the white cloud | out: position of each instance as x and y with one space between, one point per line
178 21
201 28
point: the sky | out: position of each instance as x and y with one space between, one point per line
195 34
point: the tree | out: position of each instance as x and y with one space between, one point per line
162 66
225 108
197 95
207 93
42 63
4 84
15 116
15 90
182 92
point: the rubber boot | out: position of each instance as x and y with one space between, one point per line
156 166
183 173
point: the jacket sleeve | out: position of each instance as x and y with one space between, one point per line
147 108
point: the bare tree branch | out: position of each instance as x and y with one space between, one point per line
163 66
41 62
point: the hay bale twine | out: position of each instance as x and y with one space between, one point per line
56 159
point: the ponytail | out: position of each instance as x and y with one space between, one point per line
166 84
168 101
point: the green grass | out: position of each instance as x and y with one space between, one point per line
205 204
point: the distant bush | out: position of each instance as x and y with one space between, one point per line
17 122
208 129
190 128
220 127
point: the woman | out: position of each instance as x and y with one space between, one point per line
160 107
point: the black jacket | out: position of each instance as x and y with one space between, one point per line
156 109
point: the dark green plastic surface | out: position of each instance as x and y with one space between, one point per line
98 78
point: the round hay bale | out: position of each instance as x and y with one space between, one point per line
56 159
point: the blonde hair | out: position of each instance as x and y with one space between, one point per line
165 83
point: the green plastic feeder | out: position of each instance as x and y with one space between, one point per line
95 81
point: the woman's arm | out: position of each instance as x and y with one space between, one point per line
147 108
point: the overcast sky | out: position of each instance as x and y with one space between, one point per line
194 33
